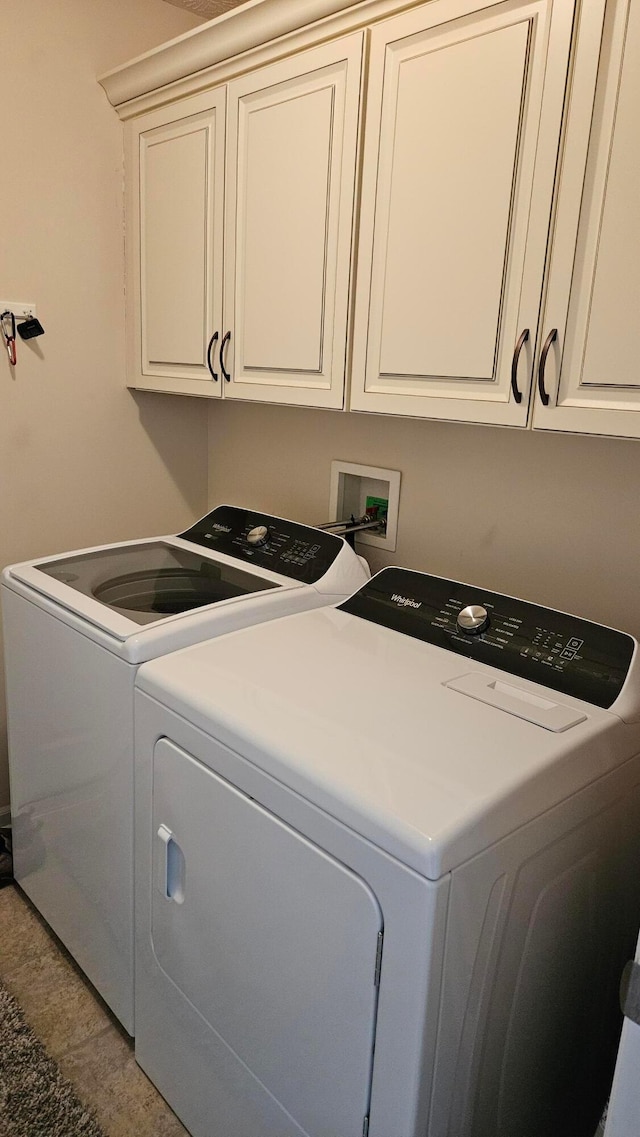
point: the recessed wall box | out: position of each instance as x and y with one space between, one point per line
351 486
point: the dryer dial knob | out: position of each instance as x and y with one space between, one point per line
473 619
258 536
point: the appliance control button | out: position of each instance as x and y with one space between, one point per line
473 619
258 536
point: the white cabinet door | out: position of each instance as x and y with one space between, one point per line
174 254
291 162
463 120
592 374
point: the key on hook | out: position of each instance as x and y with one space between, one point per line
8 318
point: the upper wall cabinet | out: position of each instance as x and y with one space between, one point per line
498 262
464 113
590 381
240 227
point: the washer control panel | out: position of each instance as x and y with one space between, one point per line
560 651
298 551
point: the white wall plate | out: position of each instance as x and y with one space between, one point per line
352 484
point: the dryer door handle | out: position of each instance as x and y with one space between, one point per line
170 866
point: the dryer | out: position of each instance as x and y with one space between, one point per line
387 860
76 629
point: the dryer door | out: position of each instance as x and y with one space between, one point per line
274 943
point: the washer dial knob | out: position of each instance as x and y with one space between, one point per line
473 619
258 536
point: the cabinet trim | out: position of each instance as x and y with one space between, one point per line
257 33
240 30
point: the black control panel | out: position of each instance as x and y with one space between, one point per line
563 652
297 551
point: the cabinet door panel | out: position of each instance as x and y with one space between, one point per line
449 204
285 211
594 285
460 149
175 265
290 196
174 228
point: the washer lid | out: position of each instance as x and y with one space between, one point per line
108 606
151 580
142 598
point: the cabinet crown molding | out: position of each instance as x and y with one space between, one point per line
249 26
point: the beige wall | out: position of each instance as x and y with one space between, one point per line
82 461
554 519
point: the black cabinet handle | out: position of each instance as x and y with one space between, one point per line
222 347
522 339
553 335
212 341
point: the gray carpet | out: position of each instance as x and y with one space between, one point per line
35 1100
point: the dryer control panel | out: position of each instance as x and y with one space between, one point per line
297 551
563 652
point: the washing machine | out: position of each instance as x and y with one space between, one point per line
388 868
76 629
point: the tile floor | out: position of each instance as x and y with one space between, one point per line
79 1032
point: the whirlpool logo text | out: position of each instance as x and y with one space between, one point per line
405 602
